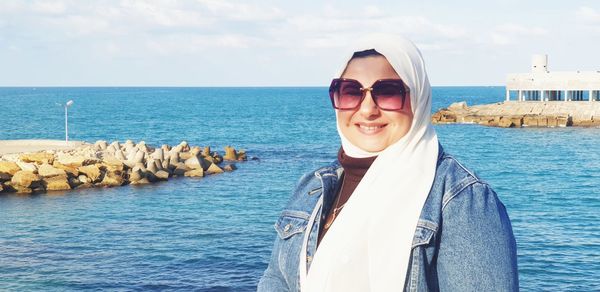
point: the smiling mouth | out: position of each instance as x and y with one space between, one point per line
370 129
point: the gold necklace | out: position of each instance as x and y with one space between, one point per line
336 209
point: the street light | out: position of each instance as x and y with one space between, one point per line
67 105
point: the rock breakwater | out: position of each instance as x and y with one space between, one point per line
109 165
522 114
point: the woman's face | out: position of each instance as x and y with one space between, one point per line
369 127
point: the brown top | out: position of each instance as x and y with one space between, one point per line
354 170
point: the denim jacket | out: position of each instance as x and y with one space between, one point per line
463 240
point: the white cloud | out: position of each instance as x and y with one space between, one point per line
334 29
48 7
112 48
79 25
500 39
167 14
588 15
520 30
11 6
166 33
510 33
588 20
242 11
190 43
373 11
159 24
134 24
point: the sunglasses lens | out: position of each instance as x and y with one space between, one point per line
389 95
345 94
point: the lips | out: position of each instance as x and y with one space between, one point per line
370 128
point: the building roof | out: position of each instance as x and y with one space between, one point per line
541 79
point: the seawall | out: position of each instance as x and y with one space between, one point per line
523 114
82 165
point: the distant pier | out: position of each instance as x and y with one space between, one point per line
510 114
537 99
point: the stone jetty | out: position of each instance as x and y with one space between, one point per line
510 114
109 165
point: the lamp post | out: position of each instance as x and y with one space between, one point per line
67 105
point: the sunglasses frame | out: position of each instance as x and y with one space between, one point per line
335 87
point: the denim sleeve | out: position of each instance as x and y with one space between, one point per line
477 248
272 279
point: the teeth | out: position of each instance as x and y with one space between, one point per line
370 128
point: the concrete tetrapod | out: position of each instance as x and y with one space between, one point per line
106 165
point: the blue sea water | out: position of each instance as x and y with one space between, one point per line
216 233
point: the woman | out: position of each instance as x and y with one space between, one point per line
394 212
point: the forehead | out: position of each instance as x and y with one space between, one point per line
369 68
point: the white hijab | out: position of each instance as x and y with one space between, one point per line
369 244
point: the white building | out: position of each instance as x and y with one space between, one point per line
542 85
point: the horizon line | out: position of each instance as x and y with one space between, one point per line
206 86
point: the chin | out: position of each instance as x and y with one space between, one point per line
370 147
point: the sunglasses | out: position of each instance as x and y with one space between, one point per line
348 94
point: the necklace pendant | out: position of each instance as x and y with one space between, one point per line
329 221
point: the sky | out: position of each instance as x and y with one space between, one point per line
282 43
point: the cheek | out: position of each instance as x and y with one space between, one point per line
401 121
404 117
344 118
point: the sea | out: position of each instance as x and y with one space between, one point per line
216 233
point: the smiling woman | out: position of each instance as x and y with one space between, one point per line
365 125
394 211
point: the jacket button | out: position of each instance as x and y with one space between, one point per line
287 227
308 259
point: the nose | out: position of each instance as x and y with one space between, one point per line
368 108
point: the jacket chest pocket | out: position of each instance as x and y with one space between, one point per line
424 233
421 255
291 223
290 227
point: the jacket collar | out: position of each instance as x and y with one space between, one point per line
335 168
